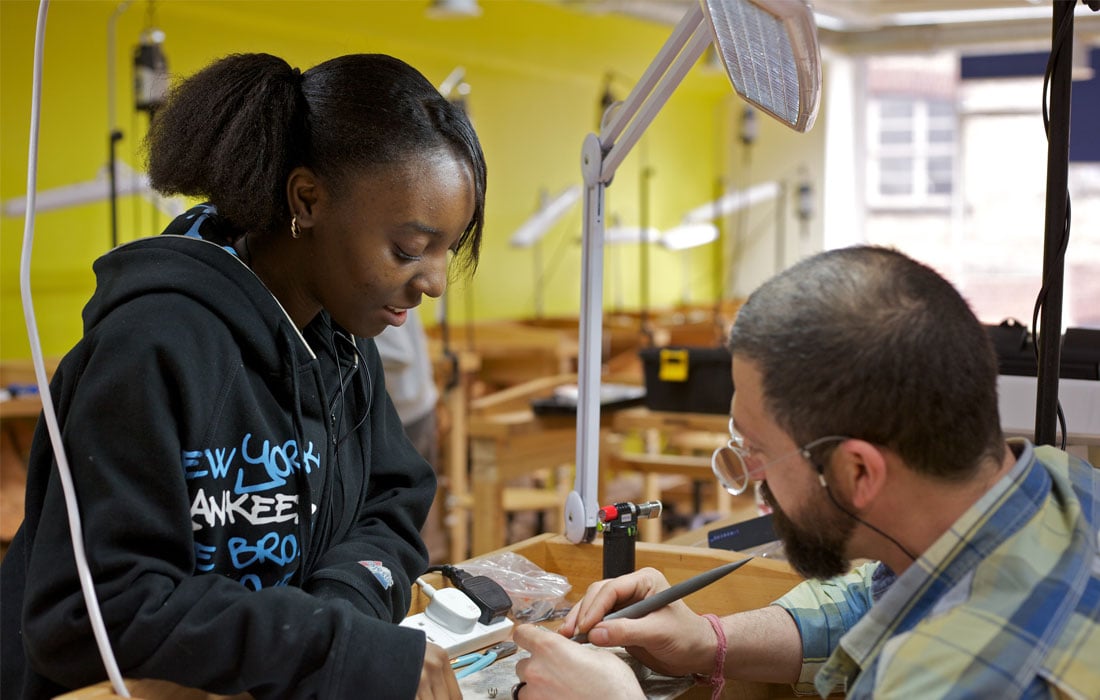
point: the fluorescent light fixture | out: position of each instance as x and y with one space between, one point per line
539 223
731 202
129 182
833 24
452 82
990 14
848 22
687 236
449 9
770 52
631 234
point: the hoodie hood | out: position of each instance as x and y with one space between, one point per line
203 271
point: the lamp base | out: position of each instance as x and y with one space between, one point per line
576 531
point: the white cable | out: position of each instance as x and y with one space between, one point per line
86 583
429 589
450 608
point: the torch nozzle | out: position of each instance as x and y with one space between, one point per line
627 512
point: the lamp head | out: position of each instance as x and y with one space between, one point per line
770 51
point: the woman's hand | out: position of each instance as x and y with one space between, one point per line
437 680
560 669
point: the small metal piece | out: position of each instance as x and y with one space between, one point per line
492 692
505 648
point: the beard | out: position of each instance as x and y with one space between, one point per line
817 551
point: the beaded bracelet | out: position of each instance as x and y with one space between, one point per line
717 679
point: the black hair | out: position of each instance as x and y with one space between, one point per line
867 343
232 132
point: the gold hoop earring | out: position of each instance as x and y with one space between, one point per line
295 229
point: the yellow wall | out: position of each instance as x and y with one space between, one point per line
536 71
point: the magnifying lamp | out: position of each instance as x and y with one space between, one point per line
732 202
689 235
530 232
550 211
770 52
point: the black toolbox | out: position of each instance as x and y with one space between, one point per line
687 379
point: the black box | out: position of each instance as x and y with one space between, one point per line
744 535
1015 346
1080 357
688 379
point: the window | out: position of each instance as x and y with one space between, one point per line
955 175
911 151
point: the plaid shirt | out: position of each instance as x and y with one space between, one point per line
1005 604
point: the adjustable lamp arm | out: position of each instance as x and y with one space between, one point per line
677 57
769 48
600 158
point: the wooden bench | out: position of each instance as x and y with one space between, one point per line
18 417
756 584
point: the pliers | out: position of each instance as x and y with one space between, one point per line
471 663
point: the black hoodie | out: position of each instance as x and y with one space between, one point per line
249 501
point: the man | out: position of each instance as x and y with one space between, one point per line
866 402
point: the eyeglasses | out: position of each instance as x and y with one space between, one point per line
734 465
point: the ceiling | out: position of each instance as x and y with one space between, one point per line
894 26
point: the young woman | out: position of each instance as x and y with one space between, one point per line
250 503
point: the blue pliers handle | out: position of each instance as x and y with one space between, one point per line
472 663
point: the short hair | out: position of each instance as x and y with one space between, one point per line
232 133
867 343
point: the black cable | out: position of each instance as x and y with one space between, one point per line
343 381
820 466
1059 38
863 522
1063 243
1039 304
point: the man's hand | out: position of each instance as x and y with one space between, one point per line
672 640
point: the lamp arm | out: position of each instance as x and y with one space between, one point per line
600 158
582 504
676 58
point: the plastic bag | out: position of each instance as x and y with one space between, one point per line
536 594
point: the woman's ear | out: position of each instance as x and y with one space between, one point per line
302 192
858 469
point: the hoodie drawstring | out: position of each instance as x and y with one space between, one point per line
305 496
